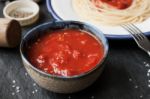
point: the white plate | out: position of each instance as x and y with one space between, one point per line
63 10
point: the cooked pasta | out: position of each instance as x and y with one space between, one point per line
98 12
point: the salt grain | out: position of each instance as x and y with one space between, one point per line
130 79
136 86
13 86
92 97
17 88
148 74
26 74
33 92
69 97
147 65
13 93
17 91
14 81
36 90
144 62
141 96
34 84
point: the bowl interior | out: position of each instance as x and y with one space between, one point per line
39 31
21 6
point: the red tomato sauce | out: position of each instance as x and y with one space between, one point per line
66 52
119 4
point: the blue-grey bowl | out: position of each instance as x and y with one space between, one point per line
56 83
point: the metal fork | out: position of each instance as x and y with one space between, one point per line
138 36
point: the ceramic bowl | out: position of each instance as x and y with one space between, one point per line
22 6
60 84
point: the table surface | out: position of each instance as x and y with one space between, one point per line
124 77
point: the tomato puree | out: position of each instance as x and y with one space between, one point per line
66 52
119 4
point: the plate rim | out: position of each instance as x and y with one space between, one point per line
110 36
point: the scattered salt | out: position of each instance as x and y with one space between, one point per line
13 86
17 88
69 97
33 92
34 84
26 74
92 97
130 79
141 96
147 65
136 86
13 93
14 81
148 74
17 91
36 90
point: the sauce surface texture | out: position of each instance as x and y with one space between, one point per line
119 4
66 52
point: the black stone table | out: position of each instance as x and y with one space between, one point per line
124 77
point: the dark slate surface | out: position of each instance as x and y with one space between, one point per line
125 61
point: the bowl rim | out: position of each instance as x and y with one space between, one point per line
99 64
21 2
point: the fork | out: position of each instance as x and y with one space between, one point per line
141 40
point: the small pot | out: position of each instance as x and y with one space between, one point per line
60 84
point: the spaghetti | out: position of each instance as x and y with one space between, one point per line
99 12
